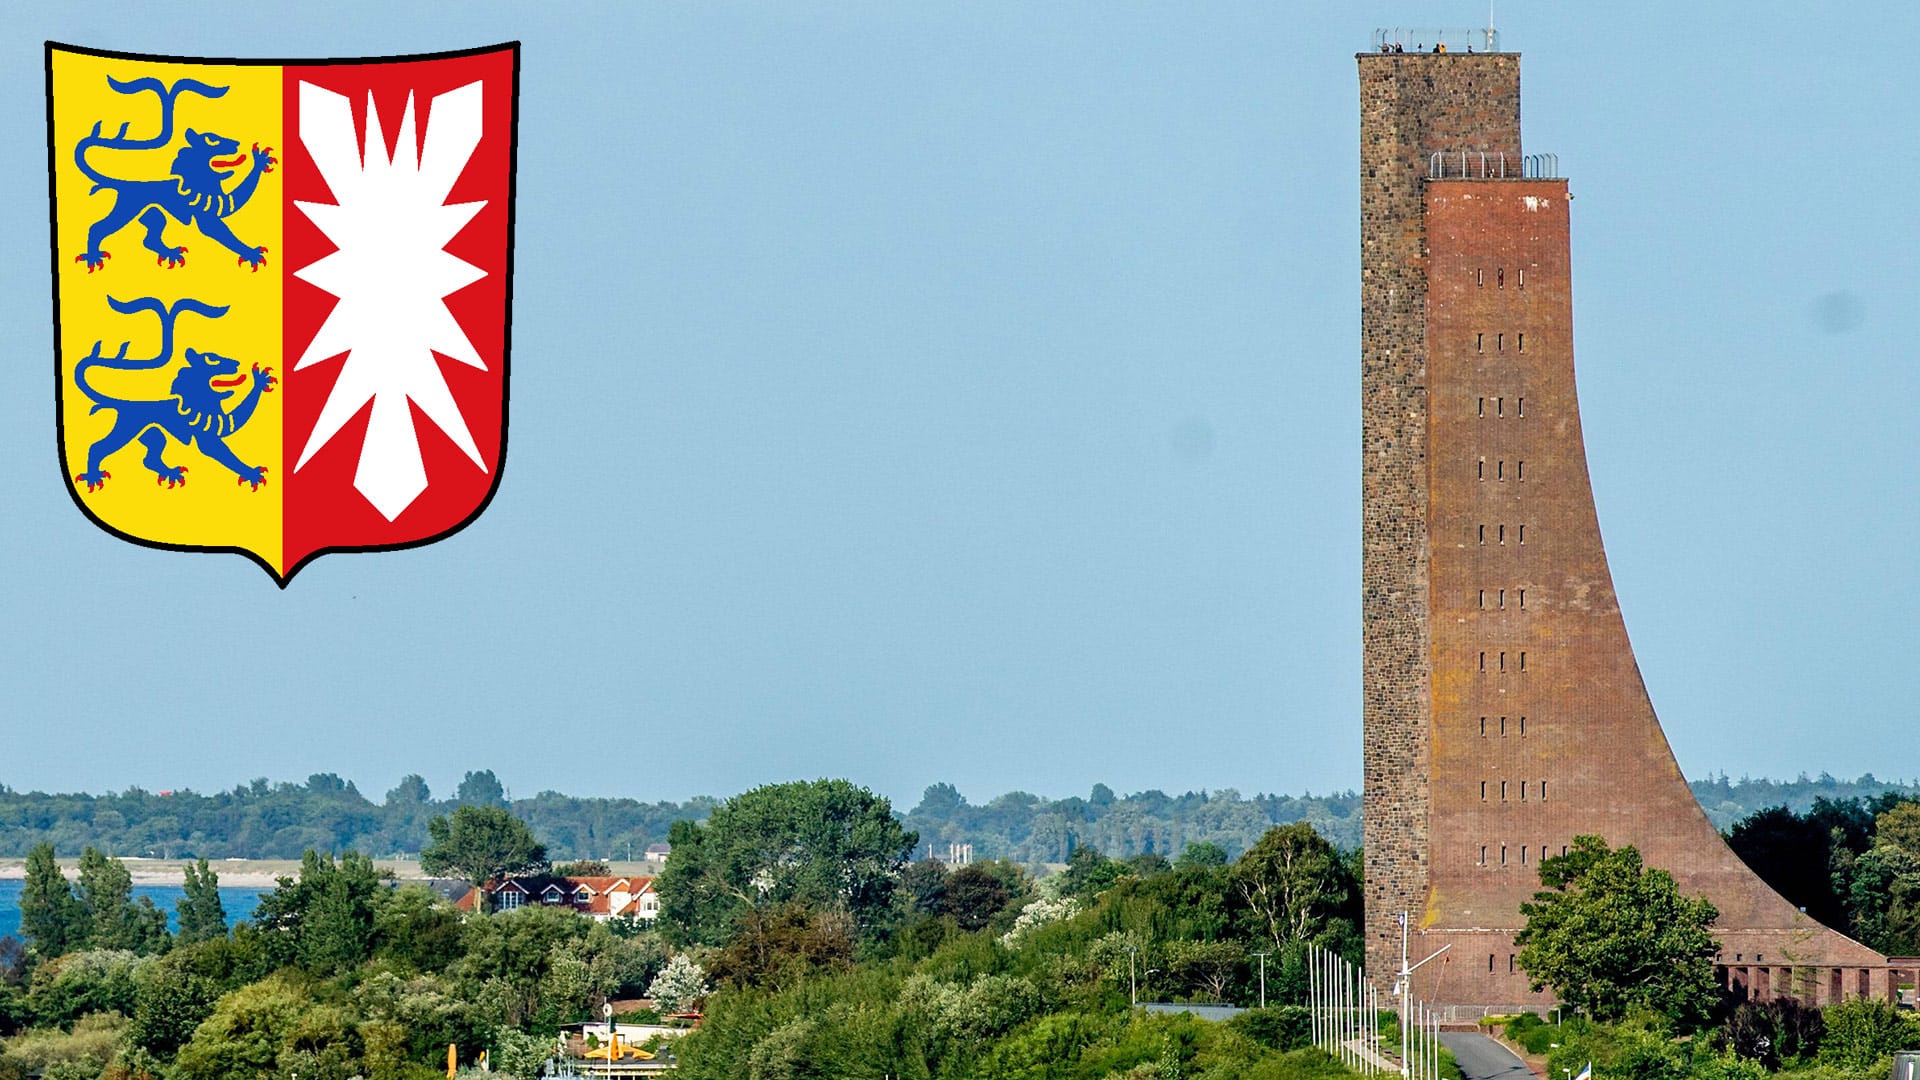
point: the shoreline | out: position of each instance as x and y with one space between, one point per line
232 873
256 873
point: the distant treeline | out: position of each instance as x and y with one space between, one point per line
281 821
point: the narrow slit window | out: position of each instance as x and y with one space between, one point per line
1503 599
1500 342
1523 798
1523 661
1520 341
1479 343
1503 661
1519 470
1543 791
1483 534
1480 277
1483 406
1522 282
1503 534
1523 599
1480 469
1523 856
1510 955
1483 660
1489 963
1499 406
1563 851
1503 854
1523 534
1483 727
1500 470
1543 851
1503 727
1520 407
1483 791
1483 854
1500 277
1523 731
1483 599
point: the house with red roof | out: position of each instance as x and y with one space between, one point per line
600 898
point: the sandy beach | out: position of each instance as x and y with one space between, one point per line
258 873
246 873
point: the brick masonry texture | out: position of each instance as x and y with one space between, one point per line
1505 713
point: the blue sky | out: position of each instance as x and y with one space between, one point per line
969 392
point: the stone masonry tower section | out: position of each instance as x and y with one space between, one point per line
1505 713
1411 106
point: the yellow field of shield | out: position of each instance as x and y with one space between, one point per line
211 509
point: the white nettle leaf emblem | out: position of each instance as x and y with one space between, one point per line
391 272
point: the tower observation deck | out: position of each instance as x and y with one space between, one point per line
1504 713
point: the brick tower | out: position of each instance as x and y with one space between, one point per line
1504 712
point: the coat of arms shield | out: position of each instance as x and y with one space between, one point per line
282 295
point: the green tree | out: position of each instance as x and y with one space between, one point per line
411 791
480 844
251 1029
1089 873
1200 854
1884 898
1205 967
1862 1032
416 929
50 918
1609 936
1295 886
826 844
106 895
510 956
170 1001
200 912
480 789
924 885
1899 826
323 921
974 895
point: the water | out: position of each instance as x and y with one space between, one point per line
239 902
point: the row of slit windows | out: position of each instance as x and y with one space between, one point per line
1502 722
1501 661
1510 964
1500 278
1500 341
1500 534
1500 470
1522 850
1500 406
1523 784
1496 599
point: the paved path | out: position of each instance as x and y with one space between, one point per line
1481 1058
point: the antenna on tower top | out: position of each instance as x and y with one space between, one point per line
1492 35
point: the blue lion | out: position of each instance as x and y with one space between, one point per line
195 413
195 194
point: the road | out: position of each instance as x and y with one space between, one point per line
1481 1058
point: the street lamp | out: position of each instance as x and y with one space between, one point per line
1263 978
1403 986
1133 987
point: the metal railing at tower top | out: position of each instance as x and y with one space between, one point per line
1490 165
1451 39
